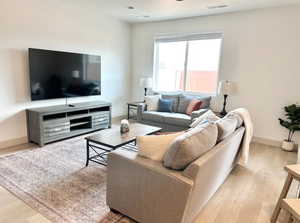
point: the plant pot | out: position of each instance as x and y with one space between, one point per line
288 146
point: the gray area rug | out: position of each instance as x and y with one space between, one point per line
54 181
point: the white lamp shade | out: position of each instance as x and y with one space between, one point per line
227 88
146 82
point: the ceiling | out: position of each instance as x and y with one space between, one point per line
158 10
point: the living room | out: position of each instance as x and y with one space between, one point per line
258 55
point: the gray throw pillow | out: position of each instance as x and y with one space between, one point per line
190 146
174 98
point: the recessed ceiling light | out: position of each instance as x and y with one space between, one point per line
130 7
179 0
217 6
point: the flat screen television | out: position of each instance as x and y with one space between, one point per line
55 74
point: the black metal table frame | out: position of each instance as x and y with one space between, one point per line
101 150
130 106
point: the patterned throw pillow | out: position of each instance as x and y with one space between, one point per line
194 105
184 101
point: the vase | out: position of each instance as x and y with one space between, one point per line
288 146
124 127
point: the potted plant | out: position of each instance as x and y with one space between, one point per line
292 123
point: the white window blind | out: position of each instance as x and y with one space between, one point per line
187 62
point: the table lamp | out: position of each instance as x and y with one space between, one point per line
226 88
146 82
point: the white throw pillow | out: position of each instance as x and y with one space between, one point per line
155 146
152 102
209 115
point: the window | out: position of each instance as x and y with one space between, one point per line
189 63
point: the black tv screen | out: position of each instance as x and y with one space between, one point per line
55 74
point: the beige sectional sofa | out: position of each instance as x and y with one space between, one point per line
148 192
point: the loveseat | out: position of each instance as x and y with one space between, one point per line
177 120
148 192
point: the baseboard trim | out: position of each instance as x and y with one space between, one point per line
23 140
13 142
268 142
118 118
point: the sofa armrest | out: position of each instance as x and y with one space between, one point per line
144 190
140 109
198 113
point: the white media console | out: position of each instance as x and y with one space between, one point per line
49 124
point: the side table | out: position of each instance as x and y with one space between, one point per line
132 106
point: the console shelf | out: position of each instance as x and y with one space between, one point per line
49 124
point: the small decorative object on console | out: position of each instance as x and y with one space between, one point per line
124 126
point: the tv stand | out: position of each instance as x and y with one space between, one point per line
50 124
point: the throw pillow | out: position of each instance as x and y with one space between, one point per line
239 119
152 102
226 126
165 105
175 98
184 101
209 115
154 146
205 101
194 105
190 146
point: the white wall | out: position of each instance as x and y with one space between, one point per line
57 25
261 52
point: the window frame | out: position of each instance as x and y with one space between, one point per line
187 38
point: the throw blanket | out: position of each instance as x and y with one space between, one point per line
244 153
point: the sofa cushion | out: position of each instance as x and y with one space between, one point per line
190 146
175 98
177 119
226 126
168 118
165 105
153 116
152 102
155 146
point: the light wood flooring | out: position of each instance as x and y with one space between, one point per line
248 195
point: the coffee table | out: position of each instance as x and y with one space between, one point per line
108 140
